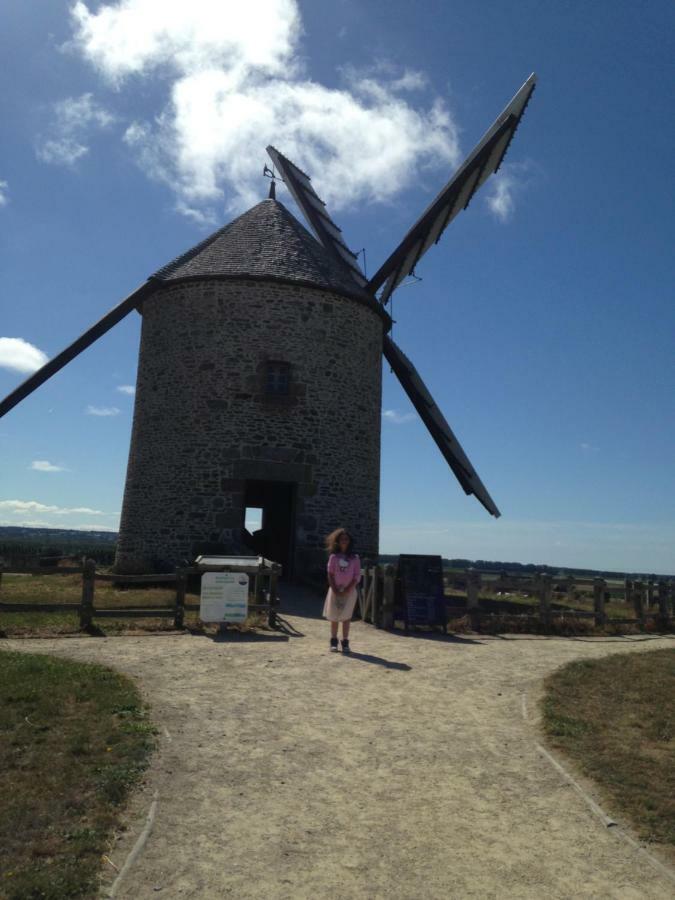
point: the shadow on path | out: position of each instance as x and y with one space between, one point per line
246 637
285 627
435 636
624 638
377 660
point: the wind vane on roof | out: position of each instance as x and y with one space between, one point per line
269 173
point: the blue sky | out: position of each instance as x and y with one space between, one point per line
544 321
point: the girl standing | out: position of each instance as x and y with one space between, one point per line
344 573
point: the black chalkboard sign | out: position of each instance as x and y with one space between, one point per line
422 590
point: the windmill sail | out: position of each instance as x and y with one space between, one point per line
438 428
314 210
485 159
85 340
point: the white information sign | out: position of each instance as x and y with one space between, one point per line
224 597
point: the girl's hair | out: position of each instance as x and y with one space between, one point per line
333 541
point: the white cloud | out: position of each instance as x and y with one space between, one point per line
208 218
506 185
102 411
500 199
236 83
20 356
19 507
4 199
26 523
63 151
397 418
93 526
71 526
34 514
75 118
43 465
126 389
134 36
589 448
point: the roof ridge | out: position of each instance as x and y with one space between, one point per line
167 269
266 241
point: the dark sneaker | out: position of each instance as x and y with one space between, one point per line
333 645
345 647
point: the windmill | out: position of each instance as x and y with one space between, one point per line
249 340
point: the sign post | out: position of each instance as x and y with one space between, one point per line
224 597
423 590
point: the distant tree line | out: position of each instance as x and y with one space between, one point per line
25 546
15 553
489 565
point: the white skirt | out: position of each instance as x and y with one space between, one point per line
339 607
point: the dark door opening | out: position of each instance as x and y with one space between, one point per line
273 503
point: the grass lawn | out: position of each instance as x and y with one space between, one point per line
68 589
560 605
74 738
518 612
615 718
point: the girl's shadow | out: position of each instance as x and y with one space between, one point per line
377 660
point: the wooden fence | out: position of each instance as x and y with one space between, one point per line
265 598
381 596
382 601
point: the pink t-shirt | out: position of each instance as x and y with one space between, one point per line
344 569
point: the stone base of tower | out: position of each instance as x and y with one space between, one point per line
296 517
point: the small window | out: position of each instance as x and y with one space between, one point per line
278 379
253 518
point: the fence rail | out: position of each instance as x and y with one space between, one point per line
381 598
264 594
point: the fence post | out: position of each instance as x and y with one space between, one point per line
365 587
258 588
569 588
473 584
181 584
545 591
273 599
376 603
388 596
650 593
664 606
639 601
88 585
502 585
628 591
599 585
376 595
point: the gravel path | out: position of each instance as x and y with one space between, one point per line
407 771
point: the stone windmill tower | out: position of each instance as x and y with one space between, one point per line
259 379
253 348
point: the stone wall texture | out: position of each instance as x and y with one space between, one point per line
203 423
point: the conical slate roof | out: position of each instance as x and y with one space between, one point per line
265 242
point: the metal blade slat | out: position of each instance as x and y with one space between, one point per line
437 425
314 209
474 171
